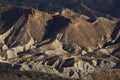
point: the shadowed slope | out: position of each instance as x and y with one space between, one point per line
36 41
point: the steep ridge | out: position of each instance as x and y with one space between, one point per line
65 43
88 7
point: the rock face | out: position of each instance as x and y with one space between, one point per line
65 43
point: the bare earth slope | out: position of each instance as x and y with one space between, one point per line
65 44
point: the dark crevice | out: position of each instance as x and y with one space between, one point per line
68 63
91 20
115 51
115 30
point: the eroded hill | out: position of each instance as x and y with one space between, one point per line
64 43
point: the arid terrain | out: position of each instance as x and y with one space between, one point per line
59 40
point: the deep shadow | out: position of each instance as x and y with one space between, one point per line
116 53
117 41
5 66
107 44
54 26
116 32
91 20
9 17
18 18
68 63
21 54
117 65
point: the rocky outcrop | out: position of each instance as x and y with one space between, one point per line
66 43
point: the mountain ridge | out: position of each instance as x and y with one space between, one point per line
64 43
